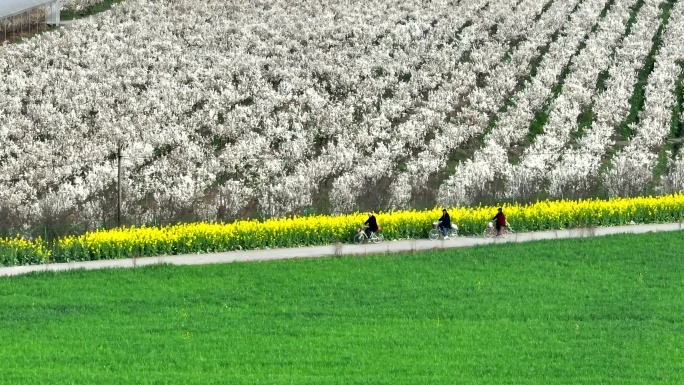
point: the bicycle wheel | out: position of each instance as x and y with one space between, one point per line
488 233
453 233
359 238
377 238
505 232
434 234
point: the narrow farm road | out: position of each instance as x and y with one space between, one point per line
339 250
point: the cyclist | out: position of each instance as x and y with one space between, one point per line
371 223
500 219
445 223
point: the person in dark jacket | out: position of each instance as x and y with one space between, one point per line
445 223
500 219
372 224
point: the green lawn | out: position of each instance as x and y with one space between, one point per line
586 311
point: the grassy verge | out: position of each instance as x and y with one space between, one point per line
584 311
70 14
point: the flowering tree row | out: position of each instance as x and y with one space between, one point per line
674 181
636 162
220 105
484 101
396 121
578 90
225 108
580 166
433 117
491 161
563 160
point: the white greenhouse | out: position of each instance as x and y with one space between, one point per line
20 16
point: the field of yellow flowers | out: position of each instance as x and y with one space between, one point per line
190 238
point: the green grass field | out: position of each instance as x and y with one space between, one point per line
585 311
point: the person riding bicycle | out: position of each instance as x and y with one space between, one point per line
445 223
372 224
500 219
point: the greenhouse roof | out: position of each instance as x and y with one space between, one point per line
14 7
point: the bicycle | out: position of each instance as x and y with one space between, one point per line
436 232
490 231
361 237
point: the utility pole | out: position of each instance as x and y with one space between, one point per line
118 187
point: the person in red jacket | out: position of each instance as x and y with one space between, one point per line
500 219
